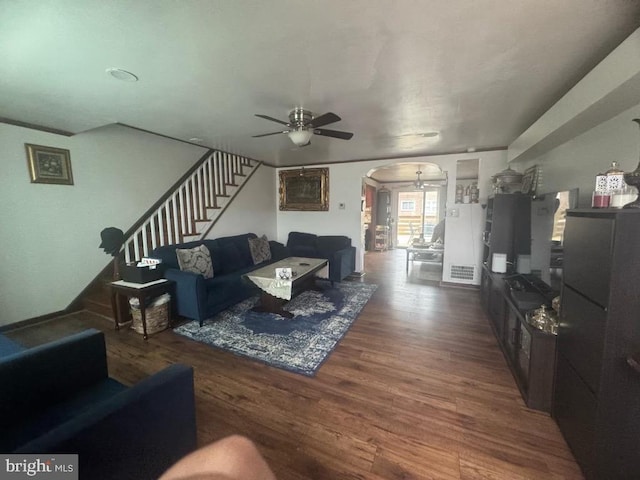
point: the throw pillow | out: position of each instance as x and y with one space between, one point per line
195 260
260 250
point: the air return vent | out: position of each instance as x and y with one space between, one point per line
463 272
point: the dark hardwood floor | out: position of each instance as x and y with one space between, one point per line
417 389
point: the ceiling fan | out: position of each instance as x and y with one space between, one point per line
420 184
302 125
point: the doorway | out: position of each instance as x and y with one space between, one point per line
418 214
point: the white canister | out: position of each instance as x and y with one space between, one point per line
499 263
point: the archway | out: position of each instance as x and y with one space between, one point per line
415 193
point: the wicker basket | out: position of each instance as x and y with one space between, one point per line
157 316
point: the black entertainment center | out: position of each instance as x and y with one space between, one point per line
588 376
506 297
521 226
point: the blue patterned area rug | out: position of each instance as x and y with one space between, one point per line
300 344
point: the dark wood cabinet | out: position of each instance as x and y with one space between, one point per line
530 353
383 208
597 392
507 227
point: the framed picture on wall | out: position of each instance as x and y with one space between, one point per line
305 189
49 165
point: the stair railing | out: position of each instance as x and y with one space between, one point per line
190 207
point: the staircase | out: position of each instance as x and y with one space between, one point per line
187 212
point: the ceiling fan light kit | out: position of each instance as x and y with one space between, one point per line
300 137
303 125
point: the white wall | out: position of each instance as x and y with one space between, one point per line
50 234
578 161
345 186
253 210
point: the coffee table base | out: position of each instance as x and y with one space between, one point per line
270 304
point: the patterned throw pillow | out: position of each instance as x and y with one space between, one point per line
260 250
196 260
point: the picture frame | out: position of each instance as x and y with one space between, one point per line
305 189
530 181
49 165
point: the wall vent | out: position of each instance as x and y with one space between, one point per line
463 272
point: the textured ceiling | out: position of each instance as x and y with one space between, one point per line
477 72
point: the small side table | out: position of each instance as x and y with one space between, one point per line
143 292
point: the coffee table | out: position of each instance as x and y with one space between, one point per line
276 291
424 254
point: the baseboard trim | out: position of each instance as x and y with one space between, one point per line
464 286
35 320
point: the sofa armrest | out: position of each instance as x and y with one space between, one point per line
190 293
47 374
278 250
136 434
341 263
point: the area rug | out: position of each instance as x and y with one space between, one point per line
300 344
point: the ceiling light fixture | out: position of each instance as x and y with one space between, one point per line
300 136
121 74
419 183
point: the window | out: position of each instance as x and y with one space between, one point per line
408 205
431 207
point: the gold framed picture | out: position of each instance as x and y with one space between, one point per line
49 165
305 189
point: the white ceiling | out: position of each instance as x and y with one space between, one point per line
479 72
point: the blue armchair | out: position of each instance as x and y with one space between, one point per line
58 398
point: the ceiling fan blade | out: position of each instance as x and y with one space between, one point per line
325 119
333 133
267 134
267 117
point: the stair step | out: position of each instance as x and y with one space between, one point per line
99 309
98 303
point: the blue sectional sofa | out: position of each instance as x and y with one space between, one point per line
8 346
335 248
199 298
58 398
